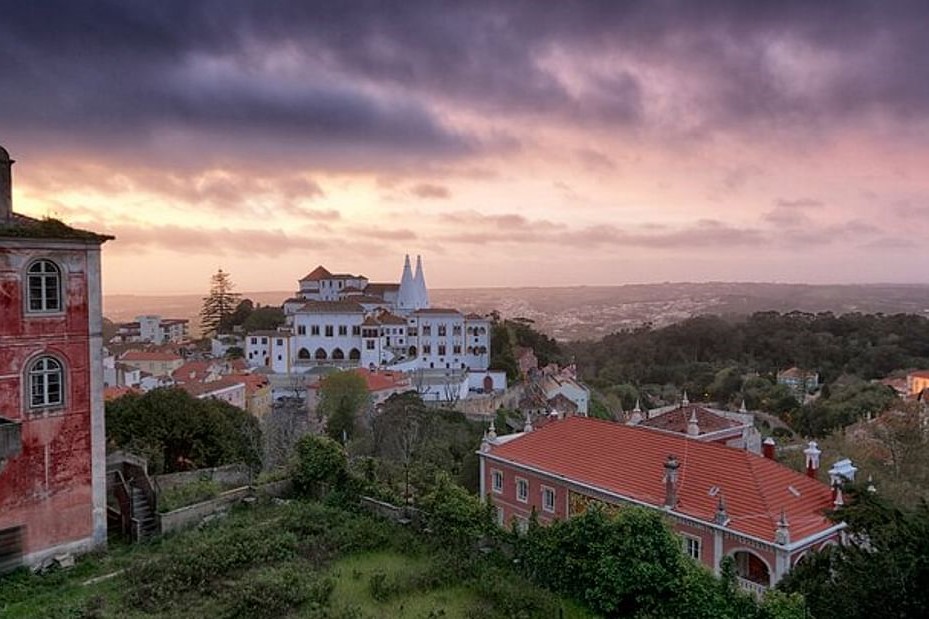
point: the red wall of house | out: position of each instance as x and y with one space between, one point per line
514 508
47 488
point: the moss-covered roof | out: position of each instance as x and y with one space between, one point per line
20 226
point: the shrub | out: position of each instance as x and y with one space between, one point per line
204 558
320 460
277 592
188 494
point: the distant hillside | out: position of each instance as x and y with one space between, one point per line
586 312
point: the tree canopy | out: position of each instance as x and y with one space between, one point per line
175 431
881 570
343 396
220 305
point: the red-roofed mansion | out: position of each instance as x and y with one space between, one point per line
722 500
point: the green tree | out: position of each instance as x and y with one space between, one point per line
241 313
457 516
880 571
219 306
319 460
265 318
175 431
343 396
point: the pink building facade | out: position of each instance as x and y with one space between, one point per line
52 439
723 501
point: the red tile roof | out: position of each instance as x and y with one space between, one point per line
678 419
629 462
253 382
149 355
380 288
317 274
199 389
437 310
331 307
111 393
192 371
919 374
376 380
380 380
391 319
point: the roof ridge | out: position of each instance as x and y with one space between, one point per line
760 489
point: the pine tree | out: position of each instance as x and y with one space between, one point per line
219 306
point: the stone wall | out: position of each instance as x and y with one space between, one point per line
228 476
192 515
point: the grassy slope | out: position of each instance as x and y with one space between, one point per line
64 594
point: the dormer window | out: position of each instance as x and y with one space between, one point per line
43 290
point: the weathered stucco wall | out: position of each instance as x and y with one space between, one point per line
55 488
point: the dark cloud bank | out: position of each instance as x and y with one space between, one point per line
366 80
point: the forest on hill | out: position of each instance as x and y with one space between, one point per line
691 352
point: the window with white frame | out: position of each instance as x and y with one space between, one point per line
692 547
548 499
522 490
522 524
43 288
46 383
497 480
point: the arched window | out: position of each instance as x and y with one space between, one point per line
43 289
303 353
320 353
412 351
338 354
354 354
46 383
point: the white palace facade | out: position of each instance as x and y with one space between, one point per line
343 320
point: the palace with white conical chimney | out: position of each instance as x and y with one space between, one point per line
345 320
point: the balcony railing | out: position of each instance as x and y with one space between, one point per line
11 440
756 589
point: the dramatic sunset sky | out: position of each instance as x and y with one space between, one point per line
509 143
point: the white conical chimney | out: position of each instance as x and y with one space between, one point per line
420 280
406 297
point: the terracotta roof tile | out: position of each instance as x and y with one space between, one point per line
629 461
437 310
149 355
678 419
331 307
316 274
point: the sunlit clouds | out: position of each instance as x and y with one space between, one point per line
592 143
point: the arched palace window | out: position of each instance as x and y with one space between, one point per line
46 383
43 288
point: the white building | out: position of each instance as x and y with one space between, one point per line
154 329
343 320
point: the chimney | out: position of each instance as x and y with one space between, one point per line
684 400
742 408
693 428
782 532
636 417
721 517
671 466
768 448
527 427
812 459
6 186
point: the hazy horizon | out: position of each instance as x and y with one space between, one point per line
590 143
